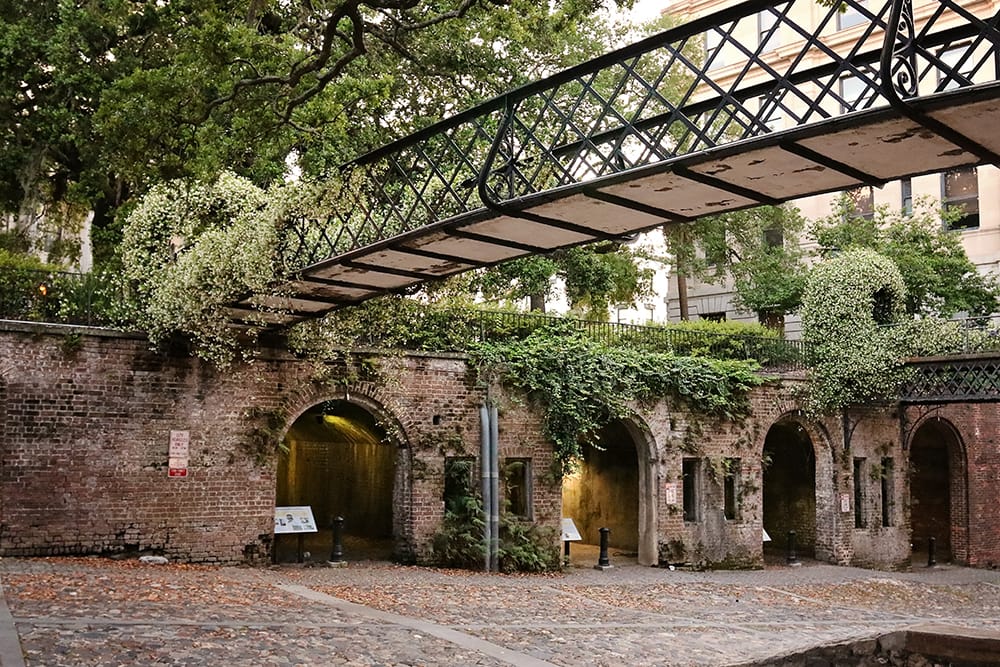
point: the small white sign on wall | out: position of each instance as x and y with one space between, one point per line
845 502
179 454
670 493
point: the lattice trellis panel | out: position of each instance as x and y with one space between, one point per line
952 381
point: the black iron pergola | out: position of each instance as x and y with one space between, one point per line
675 127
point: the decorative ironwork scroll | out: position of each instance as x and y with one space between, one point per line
904 60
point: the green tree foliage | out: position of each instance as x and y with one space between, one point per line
768 269
757 248
595 277
103 100
190 248
939 277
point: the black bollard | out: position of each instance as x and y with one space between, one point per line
603 563
337 554
566 553
792 556
930 552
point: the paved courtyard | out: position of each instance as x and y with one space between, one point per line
95 611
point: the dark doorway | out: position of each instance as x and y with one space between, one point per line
934 488
604 492
339 463
789 489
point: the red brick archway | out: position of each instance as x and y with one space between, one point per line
938 490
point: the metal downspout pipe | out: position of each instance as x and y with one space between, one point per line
490 478
494 544
487 487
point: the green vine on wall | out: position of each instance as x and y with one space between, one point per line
854 314
584 385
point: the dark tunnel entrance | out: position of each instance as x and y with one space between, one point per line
338 462
789 489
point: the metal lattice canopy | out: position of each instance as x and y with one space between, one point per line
760 103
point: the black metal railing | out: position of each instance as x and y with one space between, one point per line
716 80
932 337
94 300
36 295
452 329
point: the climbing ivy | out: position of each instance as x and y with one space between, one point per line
583 384
848 301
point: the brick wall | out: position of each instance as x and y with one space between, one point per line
969 434
86 422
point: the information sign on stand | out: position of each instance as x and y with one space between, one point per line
569 534
294 520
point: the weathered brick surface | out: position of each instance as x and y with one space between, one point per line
86 422
971 432
86 426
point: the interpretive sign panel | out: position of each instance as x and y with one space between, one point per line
670 493
294 520
179 454
569 531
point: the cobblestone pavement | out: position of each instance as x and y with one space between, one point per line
93 611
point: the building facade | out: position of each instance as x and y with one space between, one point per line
976 189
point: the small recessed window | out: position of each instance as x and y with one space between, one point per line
459 482
713 49
906 195
767 31
691 481
955 68
850 15
517 487
855 93
731 488
859 493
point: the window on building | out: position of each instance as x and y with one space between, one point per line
859 493
888 470
713 49
731 488
767 31
770 114
691 482
906 195
517 487
956 67
772 319
459 482
862 202
713 317
960 187
850 15
855 93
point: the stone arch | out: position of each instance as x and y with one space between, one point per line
616 488
809 449
649 475
938 488
369 399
